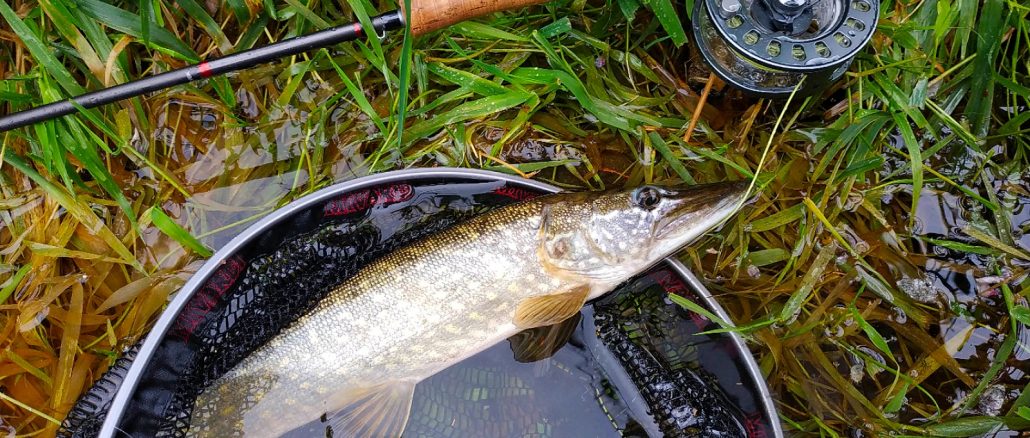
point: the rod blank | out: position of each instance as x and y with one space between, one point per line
237 61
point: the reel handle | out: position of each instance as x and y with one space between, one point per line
430 15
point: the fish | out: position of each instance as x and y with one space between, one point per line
355 358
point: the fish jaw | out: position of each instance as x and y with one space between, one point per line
695 211
608 237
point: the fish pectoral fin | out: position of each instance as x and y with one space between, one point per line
550 309
379 412
540 343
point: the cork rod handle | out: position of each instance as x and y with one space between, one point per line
430 15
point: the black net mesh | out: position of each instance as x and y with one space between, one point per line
285 275
650 337
279 275
87 416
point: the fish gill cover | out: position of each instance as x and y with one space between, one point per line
284 272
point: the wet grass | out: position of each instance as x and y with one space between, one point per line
880 276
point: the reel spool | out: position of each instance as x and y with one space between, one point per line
766 47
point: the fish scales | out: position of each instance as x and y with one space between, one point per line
427 290
431 304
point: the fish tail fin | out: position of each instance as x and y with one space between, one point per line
380 411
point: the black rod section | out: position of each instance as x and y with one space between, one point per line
237 61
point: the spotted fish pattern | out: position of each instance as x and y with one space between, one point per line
357 356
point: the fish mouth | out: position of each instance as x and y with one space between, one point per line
697 209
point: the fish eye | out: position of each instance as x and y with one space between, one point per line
647 197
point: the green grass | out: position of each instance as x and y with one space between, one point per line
929 126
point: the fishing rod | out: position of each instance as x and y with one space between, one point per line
426 16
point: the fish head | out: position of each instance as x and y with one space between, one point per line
610 236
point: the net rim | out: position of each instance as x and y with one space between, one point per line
168 316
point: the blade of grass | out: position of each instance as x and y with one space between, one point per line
45 250
665 12
672 159
7 288
628 8
31 409
467 111
29 368
528 168
915 159
146 15
358 95
72 326
52 154
778 219
477 30
1019 313
1024 412
989 33
874 336
698 309
467 80
404 76
361 9
78 144
895 403
129 23
240 10
305 12
604 111
766 257
996 243
964 427
797 299
179 234
961 247
65 25
40 51
81 212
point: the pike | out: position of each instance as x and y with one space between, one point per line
356 357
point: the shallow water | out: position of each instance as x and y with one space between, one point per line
959 283
232 176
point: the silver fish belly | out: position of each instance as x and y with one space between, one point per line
358 355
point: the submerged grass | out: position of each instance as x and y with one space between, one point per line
880 275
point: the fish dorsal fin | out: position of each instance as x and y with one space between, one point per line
550 309
377 412
540 343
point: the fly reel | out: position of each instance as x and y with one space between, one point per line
767 47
